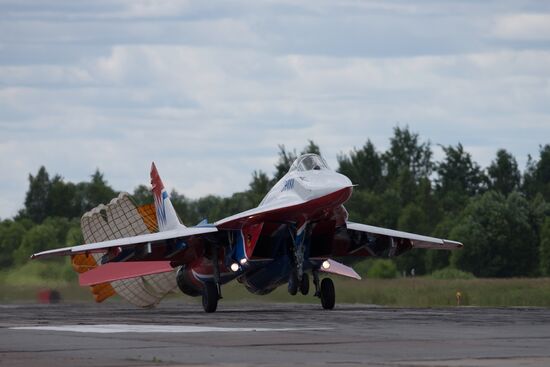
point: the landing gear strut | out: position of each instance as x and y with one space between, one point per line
297 279
212 291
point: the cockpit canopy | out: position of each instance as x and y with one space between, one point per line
309 162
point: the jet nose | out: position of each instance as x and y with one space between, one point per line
344 181
338 182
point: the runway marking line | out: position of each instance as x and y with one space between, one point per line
125 328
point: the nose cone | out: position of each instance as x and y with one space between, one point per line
338 181
326 183
344 181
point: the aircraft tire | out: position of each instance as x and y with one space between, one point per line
293 284
210 297
328 295
304 284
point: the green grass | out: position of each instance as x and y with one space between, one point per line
428 292
422 292
22 284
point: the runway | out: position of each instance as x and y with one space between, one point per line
180 334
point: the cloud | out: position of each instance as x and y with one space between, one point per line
208 92
523 27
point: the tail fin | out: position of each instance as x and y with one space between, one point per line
166 215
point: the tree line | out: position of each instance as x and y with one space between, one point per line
501 214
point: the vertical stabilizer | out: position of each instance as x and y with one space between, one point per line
166 215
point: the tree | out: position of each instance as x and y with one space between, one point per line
208 207
504 175
260 183
537 174
283 164
545 248
39 238
11 235
61 226
459 178
62 199
142 195
407 154
405 163
183 206
98 191
36 200
363 167
436 260
382 269
375 209
542 173
412 219
311 147
74 236
498 239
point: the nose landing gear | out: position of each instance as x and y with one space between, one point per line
327 294
325 291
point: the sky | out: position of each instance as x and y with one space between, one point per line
208 90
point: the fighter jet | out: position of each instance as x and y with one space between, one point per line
299 229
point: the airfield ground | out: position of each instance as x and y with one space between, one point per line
180 334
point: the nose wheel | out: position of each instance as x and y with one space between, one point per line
327 294
325 291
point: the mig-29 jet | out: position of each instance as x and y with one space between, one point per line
300 228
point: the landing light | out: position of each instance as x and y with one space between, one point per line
243 261
235 267
325 264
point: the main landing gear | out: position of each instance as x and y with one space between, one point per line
212 291
210 297
295 285
304 284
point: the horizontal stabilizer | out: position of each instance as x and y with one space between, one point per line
123 270
334 267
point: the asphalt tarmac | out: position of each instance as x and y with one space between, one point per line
180 334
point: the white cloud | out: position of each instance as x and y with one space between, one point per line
208 93
151 8
523 27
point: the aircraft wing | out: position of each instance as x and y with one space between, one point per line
144 239
367 240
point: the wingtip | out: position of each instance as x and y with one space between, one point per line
456 244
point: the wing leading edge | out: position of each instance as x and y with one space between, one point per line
416 241
126 241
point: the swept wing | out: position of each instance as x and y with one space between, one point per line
140 240
416 241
